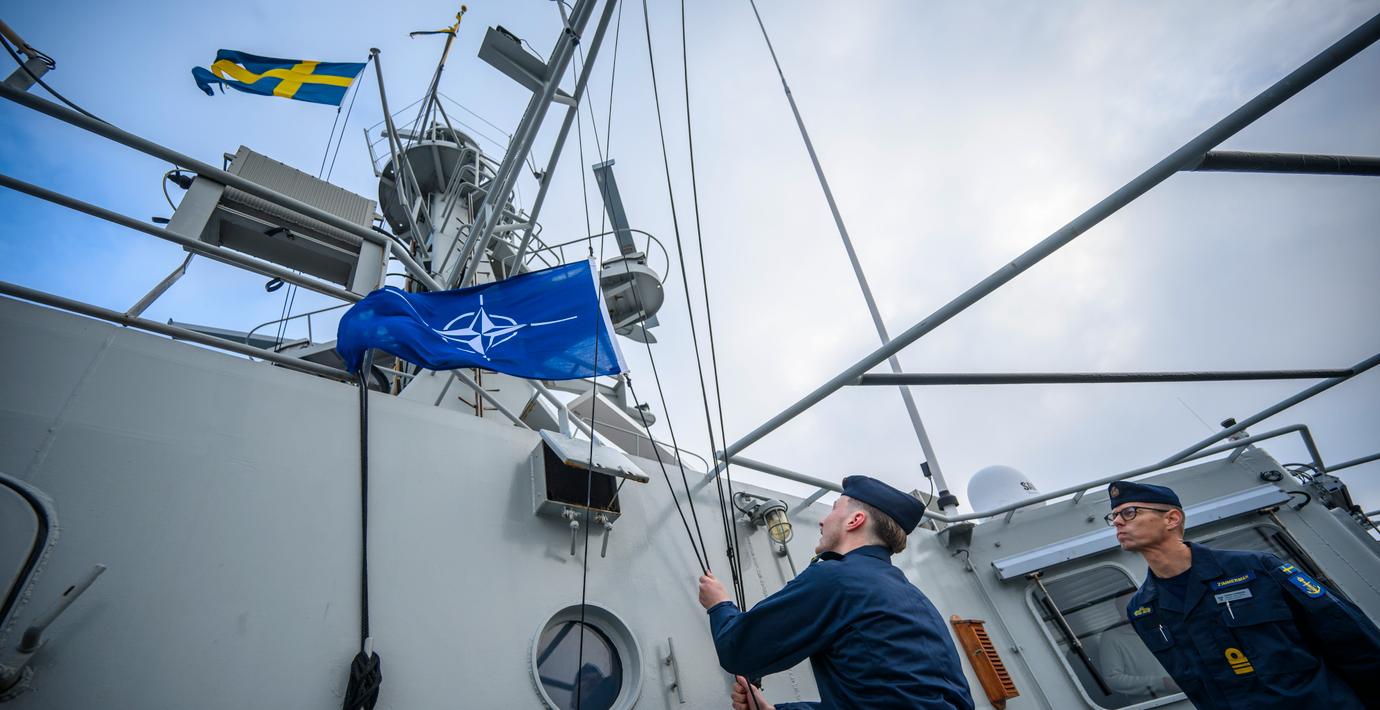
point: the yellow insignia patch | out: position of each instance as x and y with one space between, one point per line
1240 665
1141 611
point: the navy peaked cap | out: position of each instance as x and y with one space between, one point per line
1129 492
903 508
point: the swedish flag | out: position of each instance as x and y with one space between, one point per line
318 82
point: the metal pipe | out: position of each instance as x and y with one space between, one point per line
172 331
1060 378
1190 152
188 243
395 149
1354 462
489 398
570 114
1132 474
907 398
490 210
1076 489
786 473
160 288
1298 163
566 415
148 147
1268 412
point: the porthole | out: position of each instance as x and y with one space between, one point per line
606 674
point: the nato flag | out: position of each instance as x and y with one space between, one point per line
546 325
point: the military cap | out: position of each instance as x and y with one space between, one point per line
1128 492
902 508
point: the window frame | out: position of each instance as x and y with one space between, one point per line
1054 645
613 628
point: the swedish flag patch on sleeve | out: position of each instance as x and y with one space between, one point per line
1300 579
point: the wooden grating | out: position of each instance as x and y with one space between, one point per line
982 655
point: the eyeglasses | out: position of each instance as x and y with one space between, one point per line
1129 513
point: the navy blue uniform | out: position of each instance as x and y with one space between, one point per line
1254 632
873 639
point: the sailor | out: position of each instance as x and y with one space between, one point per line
873 639
1239 629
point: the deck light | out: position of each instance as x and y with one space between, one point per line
766 512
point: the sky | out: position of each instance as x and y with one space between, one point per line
954 135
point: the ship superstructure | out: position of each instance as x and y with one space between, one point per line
180 504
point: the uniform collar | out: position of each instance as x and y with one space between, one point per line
878 551
1204 568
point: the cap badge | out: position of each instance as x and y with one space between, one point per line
1115 491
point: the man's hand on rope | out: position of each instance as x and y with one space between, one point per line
741 688
711 591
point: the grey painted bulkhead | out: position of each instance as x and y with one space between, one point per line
223 496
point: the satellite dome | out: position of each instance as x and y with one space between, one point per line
995 486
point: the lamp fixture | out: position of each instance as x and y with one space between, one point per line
765 512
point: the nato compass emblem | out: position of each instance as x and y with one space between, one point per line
482 331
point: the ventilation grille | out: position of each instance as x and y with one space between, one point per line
982 655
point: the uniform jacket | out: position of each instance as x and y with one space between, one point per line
1256 633
873 639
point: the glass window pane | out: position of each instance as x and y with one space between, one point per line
1093 604
596 672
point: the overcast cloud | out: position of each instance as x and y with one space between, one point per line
955 135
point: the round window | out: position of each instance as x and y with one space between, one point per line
586 665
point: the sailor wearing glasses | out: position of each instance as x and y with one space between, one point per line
1240 629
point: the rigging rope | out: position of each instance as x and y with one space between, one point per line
724 510
366 670
290 295
704 277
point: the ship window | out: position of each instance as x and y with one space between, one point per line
1114 667
589 664
1258 538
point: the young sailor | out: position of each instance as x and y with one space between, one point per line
873 639
1240 630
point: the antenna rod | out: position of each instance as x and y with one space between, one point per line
906 396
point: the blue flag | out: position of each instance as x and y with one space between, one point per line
317 82
543 325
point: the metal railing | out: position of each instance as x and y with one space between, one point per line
282 321
640 436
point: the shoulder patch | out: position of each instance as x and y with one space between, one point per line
1142 611
1233 580
1300 579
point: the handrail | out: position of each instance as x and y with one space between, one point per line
306 315
640 436
172 331
552 247
1077 489
193 245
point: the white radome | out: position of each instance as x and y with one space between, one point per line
998 485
